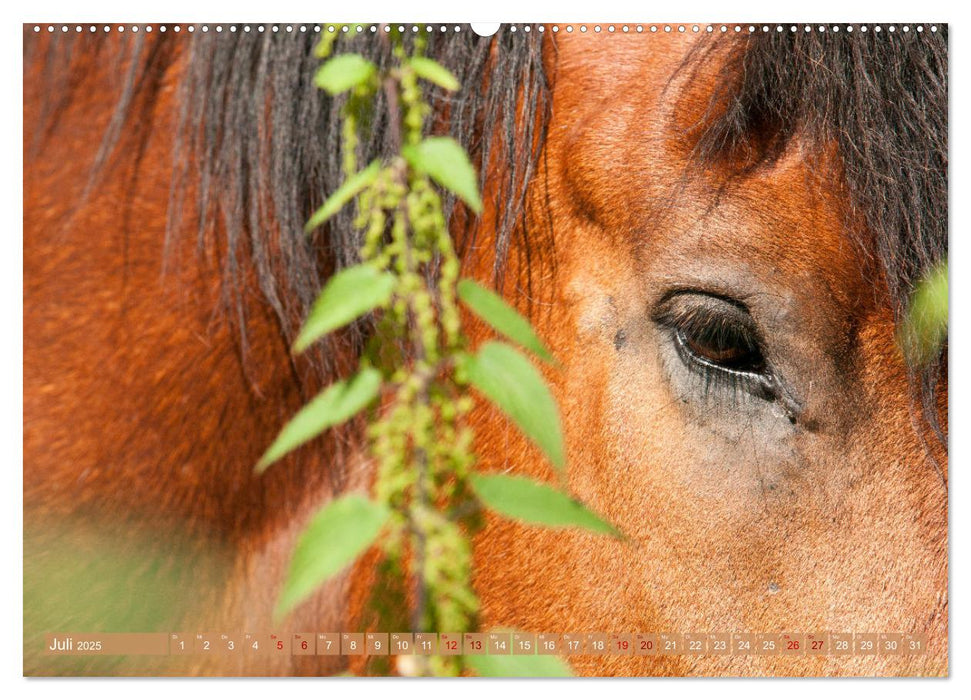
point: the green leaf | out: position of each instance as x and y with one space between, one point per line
350 188
348 295
334 538
491 308
445 161
434 72
524 499
326 43
331 407
519 666
509 380
924 329
344 72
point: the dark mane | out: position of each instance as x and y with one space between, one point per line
262 145
265 146
881 97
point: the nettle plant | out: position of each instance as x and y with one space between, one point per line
415 375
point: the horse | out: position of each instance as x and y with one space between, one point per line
715 230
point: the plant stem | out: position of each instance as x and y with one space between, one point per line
420 495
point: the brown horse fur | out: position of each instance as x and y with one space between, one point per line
143 415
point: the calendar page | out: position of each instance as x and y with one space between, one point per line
555 349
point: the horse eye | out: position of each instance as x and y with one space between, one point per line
723 345
717 338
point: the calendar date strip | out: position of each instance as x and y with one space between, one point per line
470 644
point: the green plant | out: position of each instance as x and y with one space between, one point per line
924 328
417 370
